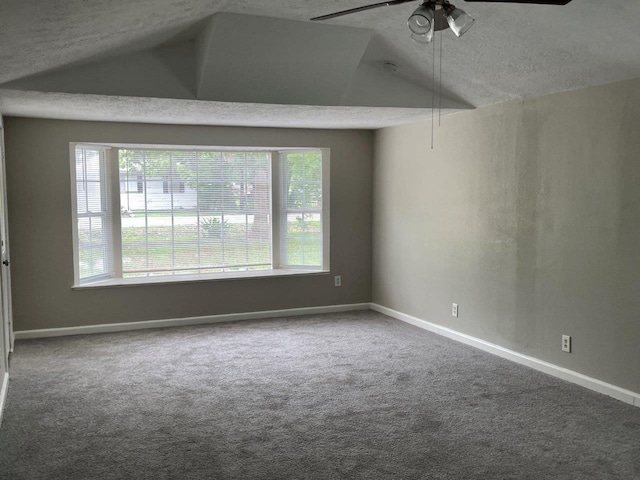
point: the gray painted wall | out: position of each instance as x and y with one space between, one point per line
41 239
526 214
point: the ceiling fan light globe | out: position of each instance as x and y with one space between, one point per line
459 21
422 24
419 25
421 20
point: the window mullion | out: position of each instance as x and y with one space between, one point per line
303 237
198 229
246 211
173 219
113 185
326 208
146 208
276 211
222 239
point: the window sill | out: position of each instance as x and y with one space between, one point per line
145 281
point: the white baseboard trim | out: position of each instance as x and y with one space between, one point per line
177 322
594 384
3 394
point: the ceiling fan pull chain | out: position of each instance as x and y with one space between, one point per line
440 85
433 91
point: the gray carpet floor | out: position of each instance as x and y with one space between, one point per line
341 396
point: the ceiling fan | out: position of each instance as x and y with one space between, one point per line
435 15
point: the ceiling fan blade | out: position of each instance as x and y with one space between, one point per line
361 9
538 2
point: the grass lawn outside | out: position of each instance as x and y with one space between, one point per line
193 248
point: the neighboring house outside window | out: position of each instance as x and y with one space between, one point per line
171 184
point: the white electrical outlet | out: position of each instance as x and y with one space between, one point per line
454 309
566 343
337 280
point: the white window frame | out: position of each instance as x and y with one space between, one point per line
107 197
278 216
282 212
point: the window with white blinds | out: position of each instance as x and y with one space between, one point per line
198 212
302 209
93 228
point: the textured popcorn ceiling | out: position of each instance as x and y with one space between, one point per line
512 51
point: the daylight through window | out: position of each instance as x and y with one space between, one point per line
198 212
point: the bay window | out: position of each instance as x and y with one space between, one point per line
180 213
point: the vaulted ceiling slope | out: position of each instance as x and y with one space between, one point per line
265 64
